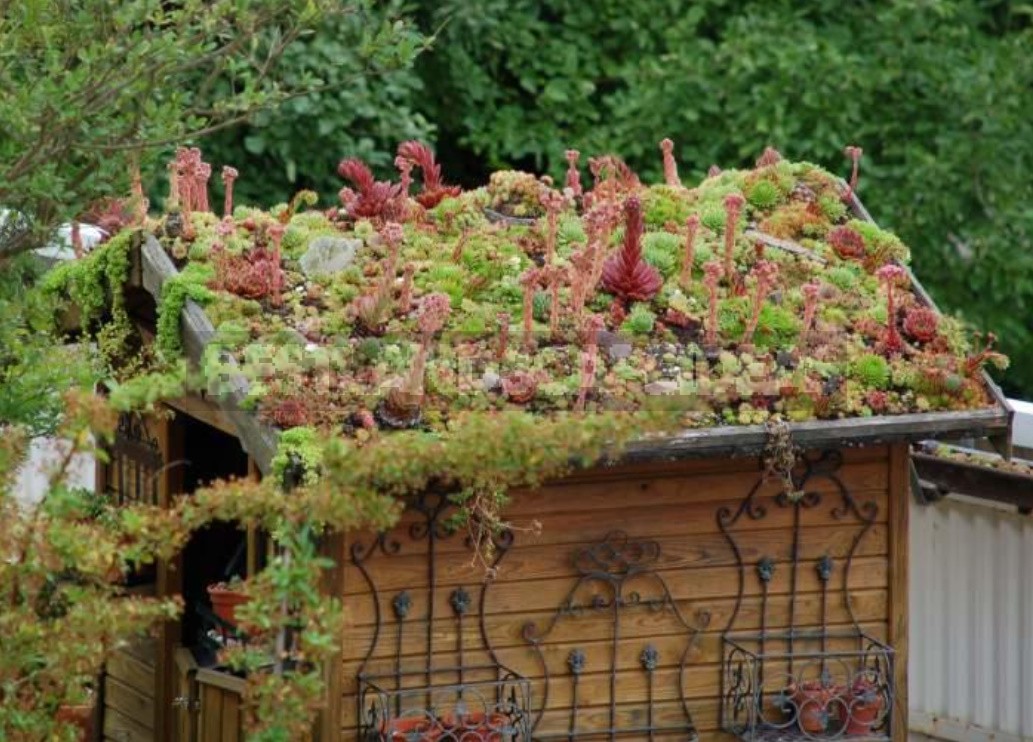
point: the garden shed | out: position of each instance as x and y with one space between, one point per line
744 575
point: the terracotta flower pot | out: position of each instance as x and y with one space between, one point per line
225 601
812 705
475 727
866 704
80 716
412 729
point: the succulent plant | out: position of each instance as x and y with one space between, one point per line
626 274
921 323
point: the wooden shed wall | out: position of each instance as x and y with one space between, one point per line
675 506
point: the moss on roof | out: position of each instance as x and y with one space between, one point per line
754 294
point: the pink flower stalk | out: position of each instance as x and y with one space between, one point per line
404 166
530 279
712 272
890 274
589 358
553 202
765 274
573 175
405 298
204 174
553 276
434 188
854 153
430 318
692 227
811 291
626 274
670 164
713 171
275 232
582 262
770 156
229 174
503 320
733 208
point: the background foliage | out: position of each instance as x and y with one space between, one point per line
935 91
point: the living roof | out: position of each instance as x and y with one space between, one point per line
754 295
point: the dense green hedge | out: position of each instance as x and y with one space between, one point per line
937 92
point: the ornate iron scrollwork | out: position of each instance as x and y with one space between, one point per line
804 681
135 462
468 701
620 574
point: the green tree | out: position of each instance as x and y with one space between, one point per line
935 91
93 87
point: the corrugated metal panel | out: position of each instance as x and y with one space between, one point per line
971 638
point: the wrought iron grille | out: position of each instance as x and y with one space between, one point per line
804 681
615 577
134 464
473 699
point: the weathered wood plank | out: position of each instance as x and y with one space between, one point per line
196 330
131 672
534 560
129 701
900 508
210 724
120 728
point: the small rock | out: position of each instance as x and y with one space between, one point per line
491 381
659 388
329 255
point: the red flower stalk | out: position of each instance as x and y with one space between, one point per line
405 298
431 316
583 261
692 227
553 277
589 358
573 176
847 242
770 156
670 164
733 208
599 223
371 199
626 274
711 277
890 274
229 174
275 232
713 171
500 351
553 202
921 324
204 174
974 362
530 279
434 189
854 153
811 291
765 274
404 166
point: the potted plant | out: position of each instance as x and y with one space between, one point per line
866 706
225 597
812 699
